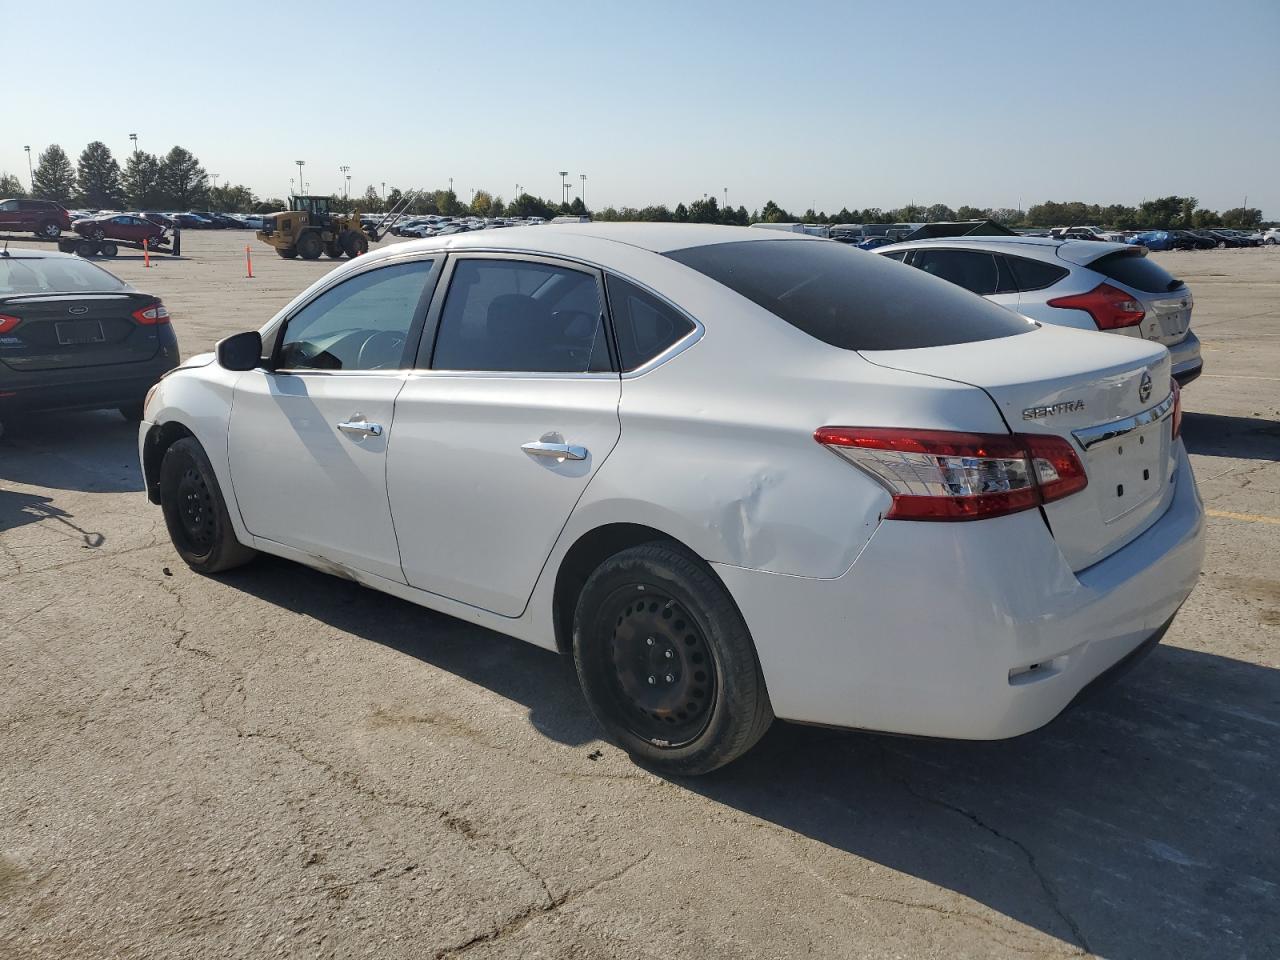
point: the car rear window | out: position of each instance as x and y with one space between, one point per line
19 275
850 298
1133 269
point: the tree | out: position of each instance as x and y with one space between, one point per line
394 198
448 205
98 177
940 212
972 213
236 199
141 181
527 205
481 202
1007 215
772 213
183 182
270 205
371 202
54 179
10 187
497 208
1242 218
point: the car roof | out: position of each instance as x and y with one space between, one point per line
586 240
26 253
1079 252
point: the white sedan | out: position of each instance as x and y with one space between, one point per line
735 473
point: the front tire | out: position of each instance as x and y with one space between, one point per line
287 253
195 512
666 662
50 229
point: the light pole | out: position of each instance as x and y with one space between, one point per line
583 178
564 187
300 164
384 191
451 184
726 198
348 186
344 168
291 185
214 177
134 138
30 175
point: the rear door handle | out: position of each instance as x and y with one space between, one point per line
555 451
361 428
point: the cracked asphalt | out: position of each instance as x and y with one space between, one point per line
277 763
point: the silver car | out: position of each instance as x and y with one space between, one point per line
1087 284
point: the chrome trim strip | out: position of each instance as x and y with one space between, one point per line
1091 436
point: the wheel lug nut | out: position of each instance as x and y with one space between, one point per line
668 654
653 679
671 678
649 642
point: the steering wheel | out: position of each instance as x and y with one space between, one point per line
387 341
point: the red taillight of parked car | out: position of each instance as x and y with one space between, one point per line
152 314
7 322
1177 408
1110 307
945 475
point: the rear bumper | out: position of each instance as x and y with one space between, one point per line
83 388
1186 360
973 631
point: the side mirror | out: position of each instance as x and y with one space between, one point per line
240 352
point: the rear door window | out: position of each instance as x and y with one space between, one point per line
521 316
850 298
975 270
1034 274
643 324
1135 270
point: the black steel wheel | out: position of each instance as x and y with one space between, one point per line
195 512
666 662
664 672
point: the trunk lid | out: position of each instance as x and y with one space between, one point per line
61 331
1087 388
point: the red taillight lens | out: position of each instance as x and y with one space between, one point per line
1177 408
7 322
151 315
1110 307
945 475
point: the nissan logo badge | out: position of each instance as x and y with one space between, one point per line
1144 388
77 310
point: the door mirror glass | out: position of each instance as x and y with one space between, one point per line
240 352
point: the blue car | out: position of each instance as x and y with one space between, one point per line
1153 240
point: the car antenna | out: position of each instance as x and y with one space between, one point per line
5 251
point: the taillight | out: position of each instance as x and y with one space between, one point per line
1177 408
945 475
1110 307
7 322
152 314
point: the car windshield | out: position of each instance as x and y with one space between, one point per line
850 298
19 275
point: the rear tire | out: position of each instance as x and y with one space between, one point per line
666 662
86 249
287 253
310 246
49 229
195 512
333 251
108 249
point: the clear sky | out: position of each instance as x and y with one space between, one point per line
826 104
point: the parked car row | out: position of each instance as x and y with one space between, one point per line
434 225
1208 239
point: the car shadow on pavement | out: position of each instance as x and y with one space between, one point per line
1245 438
1141 824
93 451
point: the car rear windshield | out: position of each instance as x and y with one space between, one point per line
20 275
1134 269
850 298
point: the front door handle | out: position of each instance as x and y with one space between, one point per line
555 451
361 428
